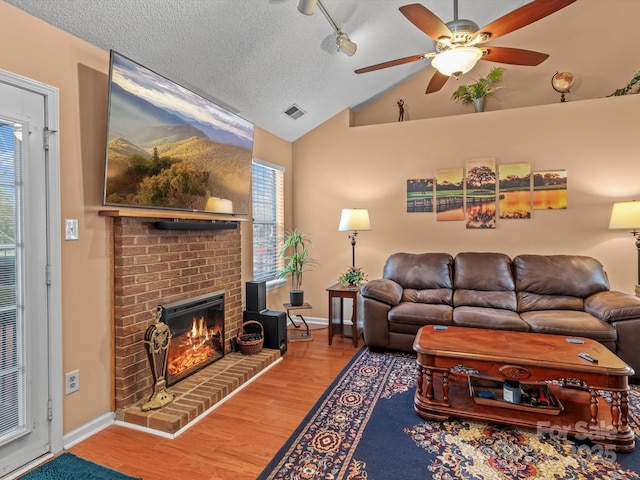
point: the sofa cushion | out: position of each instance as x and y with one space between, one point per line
495 318
421 314
564 275
533 301
420 271
382 289
432 295
570 323
613 306
484 280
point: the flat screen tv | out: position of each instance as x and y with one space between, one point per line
170 148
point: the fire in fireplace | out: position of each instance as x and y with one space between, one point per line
197 334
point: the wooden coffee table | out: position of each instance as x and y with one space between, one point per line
581 411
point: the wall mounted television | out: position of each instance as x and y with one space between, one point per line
169 148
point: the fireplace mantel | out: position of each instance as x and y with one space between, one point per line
170 214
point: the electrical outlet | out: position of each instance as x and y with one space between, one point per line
71 229
72 382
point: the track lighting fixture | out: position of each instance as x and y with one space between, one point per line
343 42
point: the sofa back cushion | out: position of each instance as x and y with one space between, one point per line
557 282
425 277
484 280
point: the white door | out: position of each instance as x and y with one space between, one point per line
24 279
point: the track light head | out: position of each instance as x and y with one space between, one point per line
345 45
307 7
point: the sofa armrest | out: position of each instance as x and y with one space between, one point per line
383 290
612 306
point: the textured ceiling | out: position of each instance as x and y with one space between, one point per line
259 57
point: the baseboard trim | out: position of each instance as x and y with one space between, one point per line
88 429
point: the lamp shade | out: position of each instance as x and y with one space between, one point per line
456 61
354 219
219 205
625 215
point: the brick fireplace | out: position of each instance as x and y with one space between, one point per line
154 266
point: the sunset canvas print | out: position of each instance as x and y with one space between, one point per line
420 195
450 194
550 190
480 182
514 190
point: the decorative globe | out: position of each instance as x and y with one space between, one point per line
562 82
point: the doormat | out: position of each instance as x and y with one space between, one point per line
69 467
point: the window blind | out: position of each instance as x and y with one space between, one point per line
268 219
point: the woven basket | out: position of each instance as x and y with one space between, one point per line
250 343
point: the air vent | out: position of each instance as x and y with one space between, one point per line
294 112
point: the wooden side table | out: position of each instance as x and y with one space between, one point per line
339 328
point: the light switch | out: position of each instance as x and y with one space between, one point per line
71 229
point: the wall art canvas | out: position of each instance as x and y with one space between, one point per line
514 190
420 195
550 190
170 148
450 194
480 200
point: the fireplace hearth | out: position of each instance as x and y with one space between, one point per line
197 334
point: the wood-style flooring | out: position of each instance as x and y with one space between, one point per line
239 438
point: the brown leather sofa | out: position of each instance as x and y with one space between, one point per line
556 294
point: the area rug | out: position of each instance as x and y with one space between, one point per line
364 427
70 467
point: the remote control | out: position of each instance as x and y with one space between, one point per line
574 340
588 357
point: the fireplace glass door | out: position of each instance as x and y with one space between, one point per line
197 334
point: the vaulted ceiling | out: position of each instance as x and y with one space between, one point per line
260 57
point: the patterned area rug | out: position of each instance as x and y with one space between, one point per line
69 467
365 427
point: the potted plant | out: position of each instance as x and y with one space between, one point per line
477 92
630 88
295 252
352 277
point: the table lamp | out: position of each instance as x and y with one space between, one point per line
626 215
354 220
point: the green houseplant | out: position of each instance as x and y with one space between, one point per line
352 277
477 92
295 252
630 88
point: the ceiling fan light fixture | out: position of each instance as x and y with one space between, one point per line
457 61
307 7
345 45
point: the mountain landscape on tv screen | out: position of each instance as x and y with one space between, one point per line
170 148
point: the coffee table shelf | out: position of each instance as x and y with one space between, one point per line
443 390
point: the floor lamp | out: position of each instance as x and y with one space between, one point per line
626 215
354 220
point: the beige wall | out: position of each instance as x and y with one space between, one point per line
336 166
38 51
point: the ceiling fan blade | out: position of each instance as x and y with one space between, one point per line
437 82
426 21
391 63
521 17
513 56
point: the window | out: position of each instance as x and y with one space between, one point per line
268 219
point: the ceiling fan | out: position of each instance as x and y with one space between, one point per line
457 43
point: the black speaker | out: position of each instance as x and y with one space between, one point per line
275 328
256 296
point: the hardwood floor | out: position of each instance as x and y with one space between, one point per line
239 438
